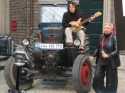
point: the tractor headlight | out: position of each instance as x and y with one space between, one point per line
77 42
26 42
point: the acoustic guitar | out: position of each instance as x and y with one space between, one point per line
79 24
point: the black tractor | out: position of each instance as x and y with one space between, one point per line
51 57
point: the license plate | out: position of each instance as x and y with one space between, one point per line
46 46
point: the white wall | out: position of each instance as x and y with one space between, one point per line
123 5
4 16
108 12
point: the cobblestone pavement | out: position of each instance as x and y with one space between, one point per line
38 87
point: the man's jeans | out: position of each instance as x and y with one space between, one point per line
69 37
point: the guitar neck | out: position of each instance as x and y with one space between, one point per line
86 20
97 14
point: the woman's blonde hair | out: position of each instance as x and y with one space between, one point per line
110 25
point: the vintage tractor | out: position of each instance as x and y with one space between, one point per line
51 58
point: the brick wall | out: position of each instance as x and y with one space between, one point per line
26 14
36 15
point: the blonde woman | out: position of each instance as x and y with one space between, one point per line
107 62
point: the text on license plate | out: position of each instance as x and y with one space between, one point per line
49 46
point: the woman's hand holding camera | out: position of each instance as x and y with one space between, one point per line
91 58
104 55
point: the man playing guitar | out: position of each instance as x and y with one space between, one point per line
72 22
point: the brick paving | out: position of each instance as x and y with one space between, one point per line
38 87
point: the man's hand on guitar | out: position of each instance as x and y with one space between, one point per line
92 18
74 24
79 20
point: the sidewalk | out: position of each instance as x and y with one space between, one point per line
122 59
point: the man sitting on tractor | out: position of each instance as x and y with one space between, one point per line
72 19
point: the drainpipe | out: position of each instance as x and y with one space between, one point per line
108 12
7 20
2 17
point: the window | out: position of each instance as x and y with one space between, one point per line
52 14
123 5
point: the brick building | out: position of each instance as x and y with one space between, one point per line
25 15
21 17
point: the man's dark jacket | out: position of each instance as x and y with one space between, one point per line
68 17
